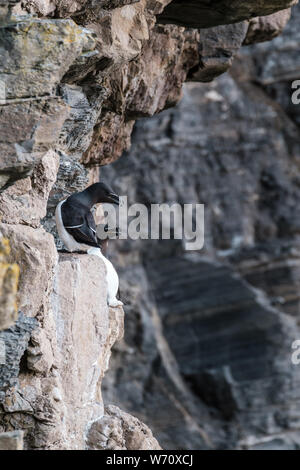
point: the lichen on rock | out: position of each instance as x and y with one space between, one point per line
9 277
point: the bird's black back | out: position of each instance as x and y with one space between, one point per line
79 222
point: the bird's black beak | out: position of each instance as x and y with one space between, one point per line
113 199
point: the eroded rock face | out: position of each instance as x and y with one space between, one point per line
55 365
36 71
26 201
35 253
85 331
118 430
217 49
112 66
265 28
15 340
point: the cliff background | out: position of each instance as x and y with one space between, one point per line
206 357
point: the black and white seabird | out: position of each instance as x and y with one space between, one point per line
77 229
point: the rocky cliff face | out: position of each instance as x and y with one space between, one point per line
74 77
208 352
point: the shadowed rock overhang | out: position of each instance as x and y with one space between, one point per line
207 13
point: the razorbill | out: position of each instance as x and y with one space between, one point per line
77 229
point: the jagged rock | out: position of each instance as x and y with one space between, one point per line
278 65
66 357
40 356
85 329
16 340
110 137
118 430
72 177
24 143
134 71
203 14
121 32
217 49
31 91
26 201
268 27
9 276
35 253
41 67
158 74
11 440
78 127
87 9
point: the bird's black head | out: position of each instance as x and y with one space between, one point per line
101 192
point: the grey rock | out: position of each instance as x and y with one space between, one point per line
42 67
118 430
72 177
265 28
217 49
29 75
76 132
16 341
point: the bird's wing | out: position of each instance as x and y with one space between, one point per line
91 221
72 214
80 225
85 233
